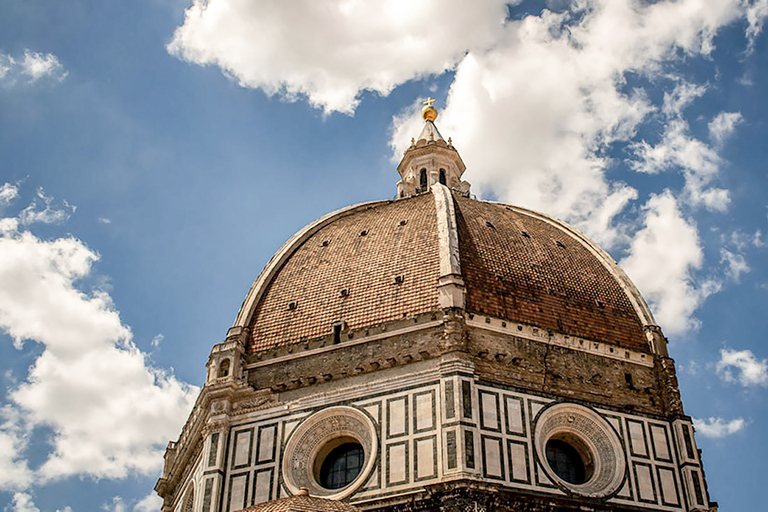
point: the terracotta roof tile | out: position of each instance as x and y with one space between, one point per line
341 274
301 503
524 269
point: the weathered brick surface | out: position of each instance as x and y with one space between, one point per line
566 373
366 265
533 280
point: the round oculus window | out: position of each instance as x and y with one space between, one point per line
331 453
341 466
579 451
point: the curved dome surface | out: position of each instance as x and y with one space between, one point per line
378 262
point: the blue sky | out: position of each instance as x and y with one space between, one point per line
154 154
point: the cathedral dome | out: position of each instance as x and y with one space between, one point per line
377 262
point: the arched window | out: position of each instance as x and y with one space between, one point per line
224 368
442 176
423 180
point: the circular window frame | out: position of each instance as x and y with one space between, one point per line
313 440
593 437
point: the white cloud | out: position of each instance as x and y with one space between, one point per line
718 427
30 68
756 14
104 220
661 259
536 115
14 471
110 412
742 367
150 503
48 214
723 126
735 264
117 504
677 149
157 340
8 192
22 502
330 51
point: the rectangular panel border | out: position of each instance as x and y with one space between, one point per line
406 420
247 475
271 483
522 416
666 438
417 430
637 483
679 503
631 443
247 464
416 478
502 459
512 478
407 464
481 408
258 444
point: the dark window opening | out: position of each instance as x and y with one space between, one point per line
336 334
630 380
342 465
442 176
566 462
423 180
224 368
688 442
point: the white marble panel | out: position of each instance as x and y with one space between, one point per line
397 464
397 410
490 409
493 457
425 458
637 438
237 491
424 413
262 483
242 448
266 443
644 482
659 438
668 488
519 457
515 415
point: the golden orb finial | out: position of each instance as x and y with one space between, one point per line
429 113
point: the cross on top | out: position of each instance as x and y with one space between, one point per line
429 102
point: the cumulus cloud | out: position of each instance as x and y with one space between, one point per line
108 409
742 367
14 471
661 260
31 67
536 115
41 210
735 264
718 427
678 150
330 51
22 502
8 192
723 126
150 503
